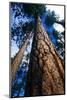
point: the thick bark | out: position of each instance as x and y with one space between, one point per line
46 70
18 58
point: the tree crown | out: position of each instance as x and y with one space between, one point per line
34 9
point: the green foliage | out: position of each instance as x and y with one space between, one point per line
50 18
34 9
55 33
60 45
28 26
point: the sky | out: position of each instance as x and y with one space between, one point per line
14 48
59 10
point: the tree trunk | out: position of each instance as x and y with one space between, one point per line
61 23
18 58
46 69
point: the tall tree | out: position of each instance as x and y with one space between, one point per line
18 58
46 69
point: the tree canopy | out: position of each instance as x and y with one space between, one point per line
50 18
34 9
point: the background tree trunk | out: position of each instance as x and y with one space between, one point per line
18 58
46 69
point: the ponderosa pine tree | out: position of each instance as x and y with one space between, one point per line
46 68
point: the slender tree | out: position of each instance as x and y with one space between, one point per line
18 58
22 34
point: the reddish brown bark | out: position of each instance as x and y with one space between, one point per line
46 70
